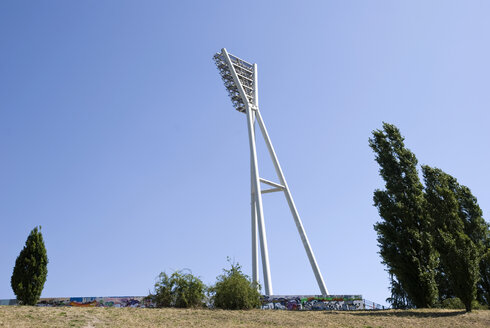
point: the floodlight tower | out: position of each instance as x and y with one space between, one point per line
240 79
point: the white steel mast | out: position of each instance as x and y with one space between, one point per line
240 79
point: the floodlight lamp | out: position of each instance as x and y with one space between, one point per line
239 78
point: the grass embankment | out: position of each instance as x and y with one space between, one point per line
17 316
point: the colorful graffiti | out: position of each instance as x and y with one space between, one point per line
313 303
129 301
278 302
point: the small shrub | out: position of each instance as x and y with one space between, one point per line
31 269
181 290
456 303
477 306
234 290
452 303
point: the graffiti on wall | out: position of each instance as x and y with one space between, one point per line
129 301
309 302
277 302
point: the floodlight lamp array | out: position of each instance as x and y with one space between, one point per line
245 73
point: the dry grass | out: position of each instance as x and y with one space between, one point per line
17 316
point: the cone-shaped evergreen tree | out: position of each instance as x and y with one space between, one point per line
31 269
404 234
460 256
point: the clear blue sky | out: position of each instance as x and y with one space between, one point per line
118 137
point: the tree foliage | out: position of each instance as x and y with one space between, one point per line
404 234
399 298
433 239
483 287
234 290
31 269
478 230
459 254
452 303
181 289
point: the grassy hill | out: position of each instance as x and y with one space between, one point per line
16 316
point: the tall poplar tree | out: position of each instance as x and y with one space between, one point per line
404 235
483 287
478 230
450 206
31 269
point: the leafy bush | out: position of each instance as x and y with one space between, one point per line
475 305
31 269
181 290
234 290
456 303
452 303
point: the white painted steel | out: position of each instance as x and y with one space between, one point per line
270 183
256 87
255 255
256 182
267 191
292 206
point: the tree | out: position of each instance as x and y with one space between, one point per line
443 284
449 205
31 269
404 234
399 298
181 290
483 287
479 232
234 290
